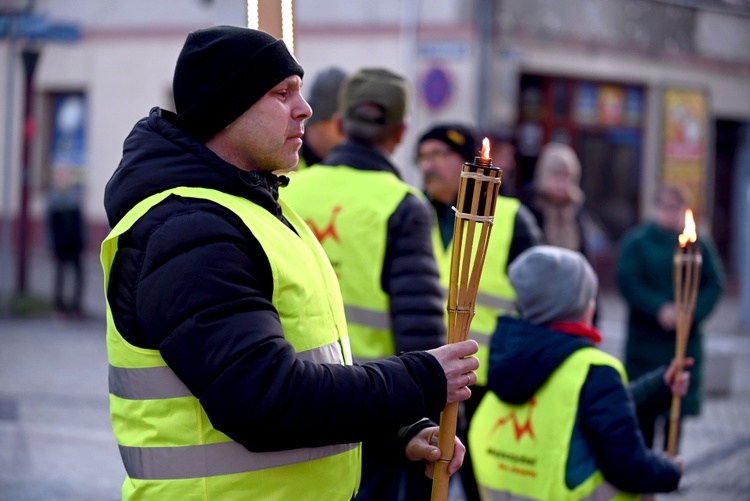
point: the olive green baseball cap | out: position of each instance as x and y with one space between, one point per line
387 91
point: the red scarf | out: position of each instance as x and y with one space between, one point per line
578 329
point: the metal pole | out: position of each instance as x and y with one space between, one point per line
30 58
744 265
408 40
486 20
5 246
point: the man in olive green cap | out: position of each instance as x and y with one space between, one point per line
376 230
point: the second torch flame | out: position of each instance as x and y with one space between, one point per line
485 149
688 234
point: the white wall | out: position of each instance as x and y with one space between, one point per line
121 86
123 62
351 51
364 34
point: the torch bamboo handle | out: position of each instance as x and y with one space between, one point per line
687 265
674 424
446 444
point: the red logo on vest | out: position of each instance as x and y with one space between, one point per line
328 231
519 429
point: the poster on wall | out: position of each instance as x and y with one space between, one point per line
68 131
611 104
68 145
684 144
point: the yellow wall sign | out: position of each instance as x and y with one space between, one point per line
684 145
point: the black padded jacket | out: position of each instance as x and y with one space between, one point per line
190 280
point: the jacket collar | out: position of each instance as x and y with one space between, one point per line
360 155
578 329
158 156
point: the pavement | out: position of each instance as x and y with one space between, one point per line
56 442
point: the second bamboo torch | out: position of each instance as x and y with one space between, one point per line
474 216
687 274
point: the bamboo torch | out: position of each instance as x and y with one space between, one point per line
477 196
687 271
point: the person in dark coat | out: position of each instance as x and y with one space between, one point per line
192 283
556 290
645 276
66 230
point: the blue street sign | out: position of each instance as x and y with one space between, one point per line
39 27
436 88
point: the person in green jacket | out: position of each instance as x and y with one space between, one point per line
645 279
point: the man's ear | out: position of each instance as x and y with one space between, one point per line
588 315
400 133
339 121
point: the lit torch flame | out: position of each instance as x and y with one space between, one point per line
486 149
688 234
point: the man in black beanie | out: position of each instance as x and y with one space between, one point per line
230 370
441 153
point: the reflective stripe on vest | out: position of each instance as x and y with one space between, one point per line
522 451
495 296
351 223
377 320
603 492
226 458
150 383
162 430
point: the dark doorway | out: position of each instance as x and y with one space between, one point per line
727 143
603 122
610 163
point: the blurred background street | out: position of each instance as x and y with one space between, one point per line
645 92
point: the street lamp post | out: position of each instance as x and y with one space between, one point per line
22 25
30 57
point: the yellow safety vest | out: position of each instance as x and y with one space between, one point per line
495 296
168 446
348 210
519 452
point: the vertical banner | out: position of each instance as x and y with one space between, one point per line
67 152
611 104
684 144
68 131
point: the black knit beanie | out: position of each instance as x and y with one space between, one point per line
224 70
459 138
